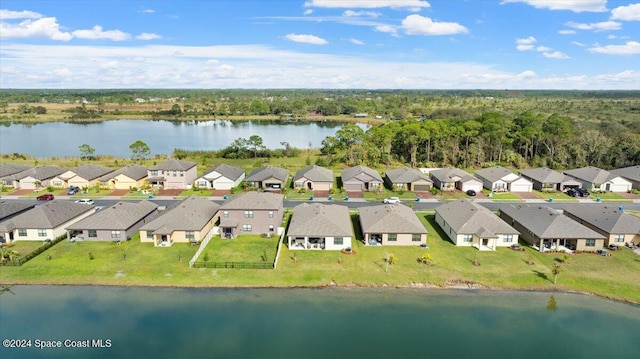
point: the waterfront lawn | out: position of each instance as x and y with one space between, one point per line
244 248
25 247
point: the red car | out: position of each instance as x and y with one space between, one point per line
45 197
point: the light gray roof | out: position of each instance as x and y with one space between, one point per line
8 209
610 219
447 175
40 172
254 200
591 174
7 169
192 214
50 215
547 223
390 218
174 165
466 217
545 175
631 173
91 172
493 174
317 219
315 173
230 172
360 173
406 175
119 216
263 173
135 172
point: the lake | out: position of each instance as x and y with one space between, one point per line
62 139
314 323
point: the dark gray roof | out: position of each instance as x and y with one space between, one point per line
192 214
631 173
227 171
544 175
317 219
610 219
448 174
121 216
352 173
493 174
7 169
174 165
591 174
91 172
263 173
40 172
135 172
406 175
315 173
466 217
390 218
254 200
547 223
50 215
9 209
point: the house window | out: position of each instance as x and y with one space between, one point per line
338 241
92 233
392 237
57 183
248 214
202 184
115 234
467 238
225 214
181 173
22 232
590 243
619 238
415 237
299 184
271 228
42 232
508 238
189 235
154 172
149 235
175 173
246 228
270 215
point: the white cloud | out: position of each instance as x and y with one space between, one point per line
351 13
596 26
573 5
96 33
306 39
413 5
308 12
626 13
356 41
543 48
528 74
389 29
421 25
525 44
566 32
147 11
578 43
630 48
148 36
555 55
25 14
47 27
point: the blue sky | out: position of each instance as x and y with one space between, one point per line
370 44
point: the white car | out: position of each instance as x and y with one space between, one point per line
85 201
391 200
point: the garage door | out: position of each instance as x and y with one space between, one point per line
421 188
473 186
520 187
618 188
353 187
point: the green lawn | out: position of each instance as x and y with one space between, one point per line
244 248
556 195
503 196
609 196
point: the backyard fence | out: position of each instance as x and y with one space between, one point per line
275 260
203 245
29 256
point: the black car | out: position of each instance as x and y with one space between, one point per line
471 193
582 192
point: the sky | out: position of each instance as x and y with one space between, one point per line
327 44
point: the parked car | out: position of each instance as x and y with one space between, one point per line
85 201
603 252
577 192
73 190
613 247
471 193
391 200
45 197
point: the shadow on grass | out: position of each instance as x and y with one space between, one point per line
431 218
542 275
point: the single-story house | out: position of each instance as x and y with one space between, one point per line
631 174
48 220
38 177
500 179
222 177
9 210
595 179
360 178
546 179
612 222
7 170
188 222
132 176
316 226
173 174
251 213
118 222
543 227
407 179
269 178
391 224
313 178
83 176
449 179
467 223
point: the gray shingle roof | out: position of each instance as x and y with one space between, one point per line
447 174
192 214
119 216
8 209
493 174
40 172
254 200
263 173
7 169
632 173
591 174
174 165
546 223
317 219
390 218
135 172
466 217
608 218
406 175
50 215
91 172
544 175
352 173
315 173
230 172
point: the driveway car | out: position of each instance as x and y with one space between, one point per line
471 193
85 201
73 190
45 197
391 200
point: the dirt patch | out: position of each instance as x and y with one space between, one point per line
119 192
628 195
170 192
355 194
526 195
321 193
21 192
220 192
424 195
